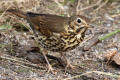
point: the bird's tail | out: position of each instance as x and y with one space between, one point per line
17 13
22 15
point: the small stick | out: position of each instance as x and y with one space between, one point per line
98 72
91 6
19 61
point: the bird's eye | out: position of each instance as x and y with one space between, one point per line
78 20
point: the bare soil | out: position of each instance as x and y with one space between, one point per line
21 60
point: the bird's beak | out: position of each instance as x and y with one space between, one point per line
89 27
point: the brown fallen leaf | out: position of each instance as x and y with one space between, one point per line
116 58
118 78
109 56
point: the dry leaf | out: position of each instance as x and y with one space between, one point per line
116 59
109 56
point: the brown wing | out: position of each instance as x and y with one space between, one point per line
48 22
45 23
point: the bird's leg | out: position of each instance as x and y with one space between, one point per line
67 62
50 69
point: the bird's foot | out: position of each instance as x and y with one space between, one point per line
50 69
69 66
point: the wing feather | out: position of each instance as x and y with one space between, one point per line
53 23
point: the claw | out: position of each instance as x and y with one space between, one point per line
67 62
69 65
50 69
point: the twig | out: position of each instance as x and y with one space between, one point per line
94 19
4 12
19 61
77 8
61 7
56 1
91 6
103 4
115 15
98 72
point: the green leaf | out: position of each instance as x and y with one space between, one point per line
5 26
3 45
61 15
72 1
109 34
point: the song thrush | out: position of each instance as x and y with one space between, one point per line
56 33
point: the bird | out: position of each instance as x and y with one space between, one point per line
56 33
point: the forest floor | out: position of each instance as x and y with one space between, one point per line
20 61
